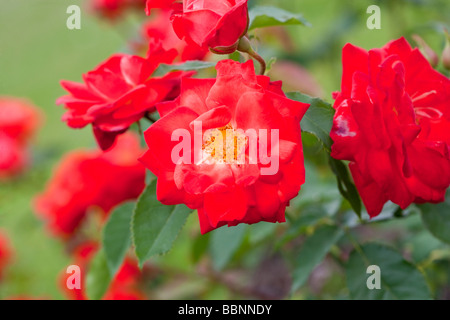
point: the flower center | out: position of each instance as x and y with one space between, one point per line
224 145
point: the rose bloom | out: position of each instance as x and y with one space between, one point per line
124 286
217 25
19 120
225 191
158 28
91 179
392 124
5 253
119 92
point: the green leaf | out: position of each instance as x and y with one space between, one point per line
261 231
400 279
193 65
313 251
200 246
318 120
99 277
345 185
436 218
265 16
155 226
117 236
224 243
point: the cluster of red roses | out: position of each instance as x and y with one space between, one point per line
391 120
19 120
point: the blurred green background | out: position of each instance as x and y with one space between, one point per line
37 50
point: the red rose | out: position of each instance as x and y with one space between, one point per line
5 253
217 25
158 28
392 122
19 120
85 179
239 187
118 93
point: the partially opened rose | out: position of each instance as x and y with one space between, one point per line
213 24
87 180
119 92
392 123
257 168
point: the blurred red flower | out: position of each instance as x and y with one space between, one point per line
112 9
5 253
124 286
217 25
19 120
119 92
392 122
222 190
86 179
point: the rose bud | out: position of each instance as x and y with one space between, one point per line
429 53
217 25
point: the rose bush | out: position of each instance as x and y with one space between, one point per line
392 124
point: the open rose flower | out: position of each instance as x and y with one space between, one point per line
250 177
88 179
392 123
19 120
213 24
119 92
159 28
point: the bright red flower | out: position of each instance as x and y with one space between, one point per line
19 120
119 92
159 28
392 122
5 253
213 24
228 189
13 157
85 179
124 286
